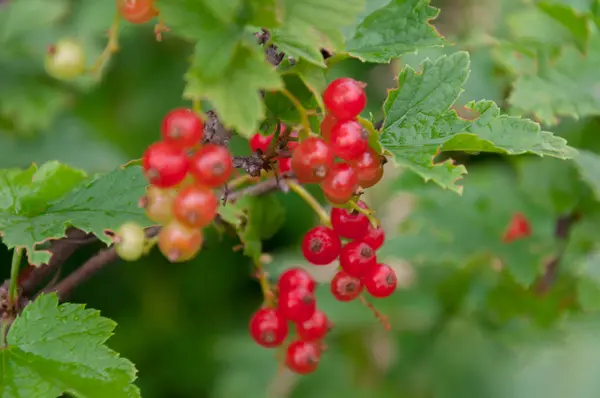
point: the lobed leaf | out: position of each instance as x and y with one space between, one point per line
588 164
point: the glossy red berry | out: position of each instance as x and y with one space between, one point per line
137 11
380 281
348 139
315 328
179 243
268 328
195 206
259 141
311 160
165 165
321 245
345 98
374 236
369 168
345 287
285 165
303 357
182 128
357 258
328 122
348 223
295 278
340 184
297 305
212 165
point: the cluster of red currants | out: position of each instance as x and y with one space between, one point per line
342 137
183 174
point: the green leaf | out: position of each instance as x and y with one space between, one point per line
398 28
55 349
568 17
21 19
38 204
266 13
475 225
310 25
235 93
419 123
588 164
566 87
280 107
313 78
263 216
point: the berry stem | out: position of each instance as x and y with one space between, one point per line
197 107
380 317
277 138
160 28
368 126
311 201
14 276
305 132
268 296
367 212
111 47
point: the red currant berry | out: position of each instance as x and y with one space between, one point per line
137 11
268 328
340 184
348 139
357 258
259 141
195 206
368 168
212 165
158 204
374 237
165 165
179 243
182 128
350 224
285 165
311 160
328 122
303 357
295 278
345 98
315 328
293 144
381 281
321 246
297 305
345 287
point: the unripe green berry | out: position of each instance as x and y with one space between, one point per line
65 60
130 242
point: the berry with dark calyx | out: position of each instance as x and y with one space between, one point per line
315 328
326 124
345 287
137 11
348 223
321 245
130 242
369 168
65 60
312 159
179 243
297 305
345 98
182 128
302 357
158 204
348 139
380 281
295 278
212 165
374 237
340 184
259 141
165 165
195 206
357 258
268 328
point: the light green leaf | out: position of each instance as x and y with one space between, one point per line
310 25
570 87
313 77
55 349
39 204
588 164
266 13
235 93
22 18
398 28
571 19
419 123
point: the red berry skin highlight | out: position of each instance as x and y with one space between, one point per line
165 165
312 159
321 245
348 140
349 223
297 305
381 281
295 278
302 357
268 328
182 128
345 98
315 328
357 258
212 165
340 184
345 287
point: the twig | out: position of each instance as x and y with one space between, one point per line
252 164
214 131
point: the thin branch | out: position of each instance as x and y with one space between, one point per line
252 164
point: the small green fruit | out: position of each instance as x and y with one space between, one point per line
130 242
65 60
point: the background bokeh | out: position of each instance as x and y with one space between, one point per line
463 326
